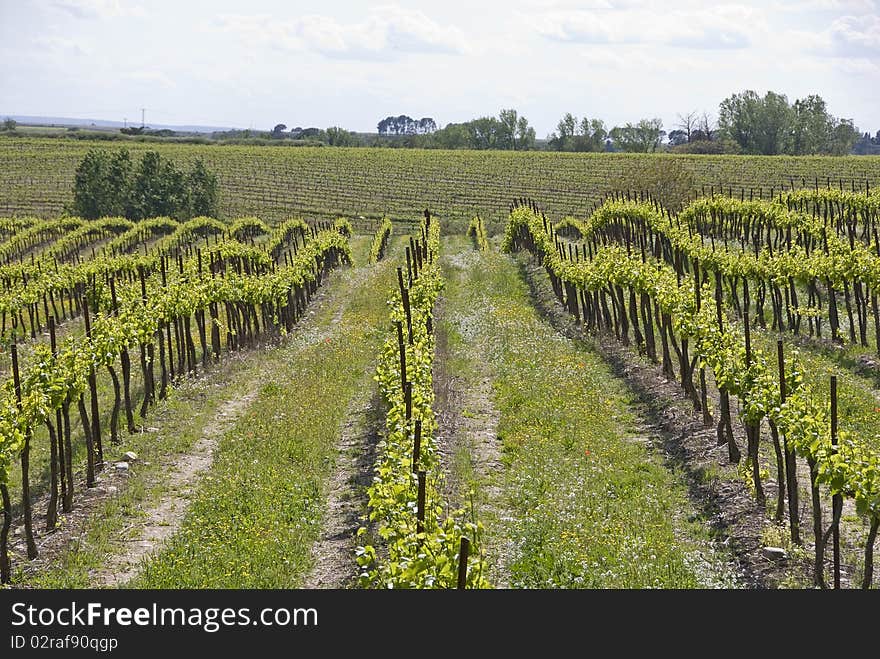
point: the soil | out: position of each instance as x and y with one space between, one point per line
333 553
162 520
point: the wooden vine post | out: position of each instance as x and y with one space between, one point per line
97 449
836 499
420 504
463 553
791 480
27 511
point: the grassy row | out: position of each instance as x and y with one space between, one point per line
380 240
477 231
259 508
586 504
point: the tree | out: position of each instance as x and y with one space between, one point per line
815 130
452 136
643 137
514 131
9 123
525 134
507 120
155 188
158 189
811 126
591 135
843 137
202 191
104 185
402 125
90 186
706 129
485 133
773 124
427 125
563 138
686 125
578 135
867 145
279 128
738 117
758 125
678 137
336 136
118 176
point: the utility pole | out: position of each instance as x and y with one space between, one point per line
143 114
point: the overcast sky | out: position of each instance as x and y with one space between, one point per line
350 63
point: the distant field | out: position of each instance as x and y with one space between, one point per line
275 183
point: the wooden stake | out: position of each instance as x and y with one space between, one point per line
463 553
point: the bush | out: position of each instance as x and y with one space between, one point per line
705 147
106 185
664 178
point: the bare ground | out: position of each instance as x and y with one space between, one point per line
162 520
333 553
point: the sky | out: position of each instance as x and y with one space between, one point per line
258 63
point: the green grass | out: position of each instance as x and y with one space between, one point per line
586 506
181 419
259 508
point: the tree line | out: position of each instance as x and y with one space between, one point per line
110 184
746 123
770 125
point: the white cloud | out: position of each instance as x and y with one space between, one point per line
857 66
718 27
850 45
583 27
856 36
63 45
90 9
386 33
641 60
569 4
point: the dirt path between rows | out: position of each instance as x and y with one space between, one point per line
333 553
162 520
467 422
333 557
